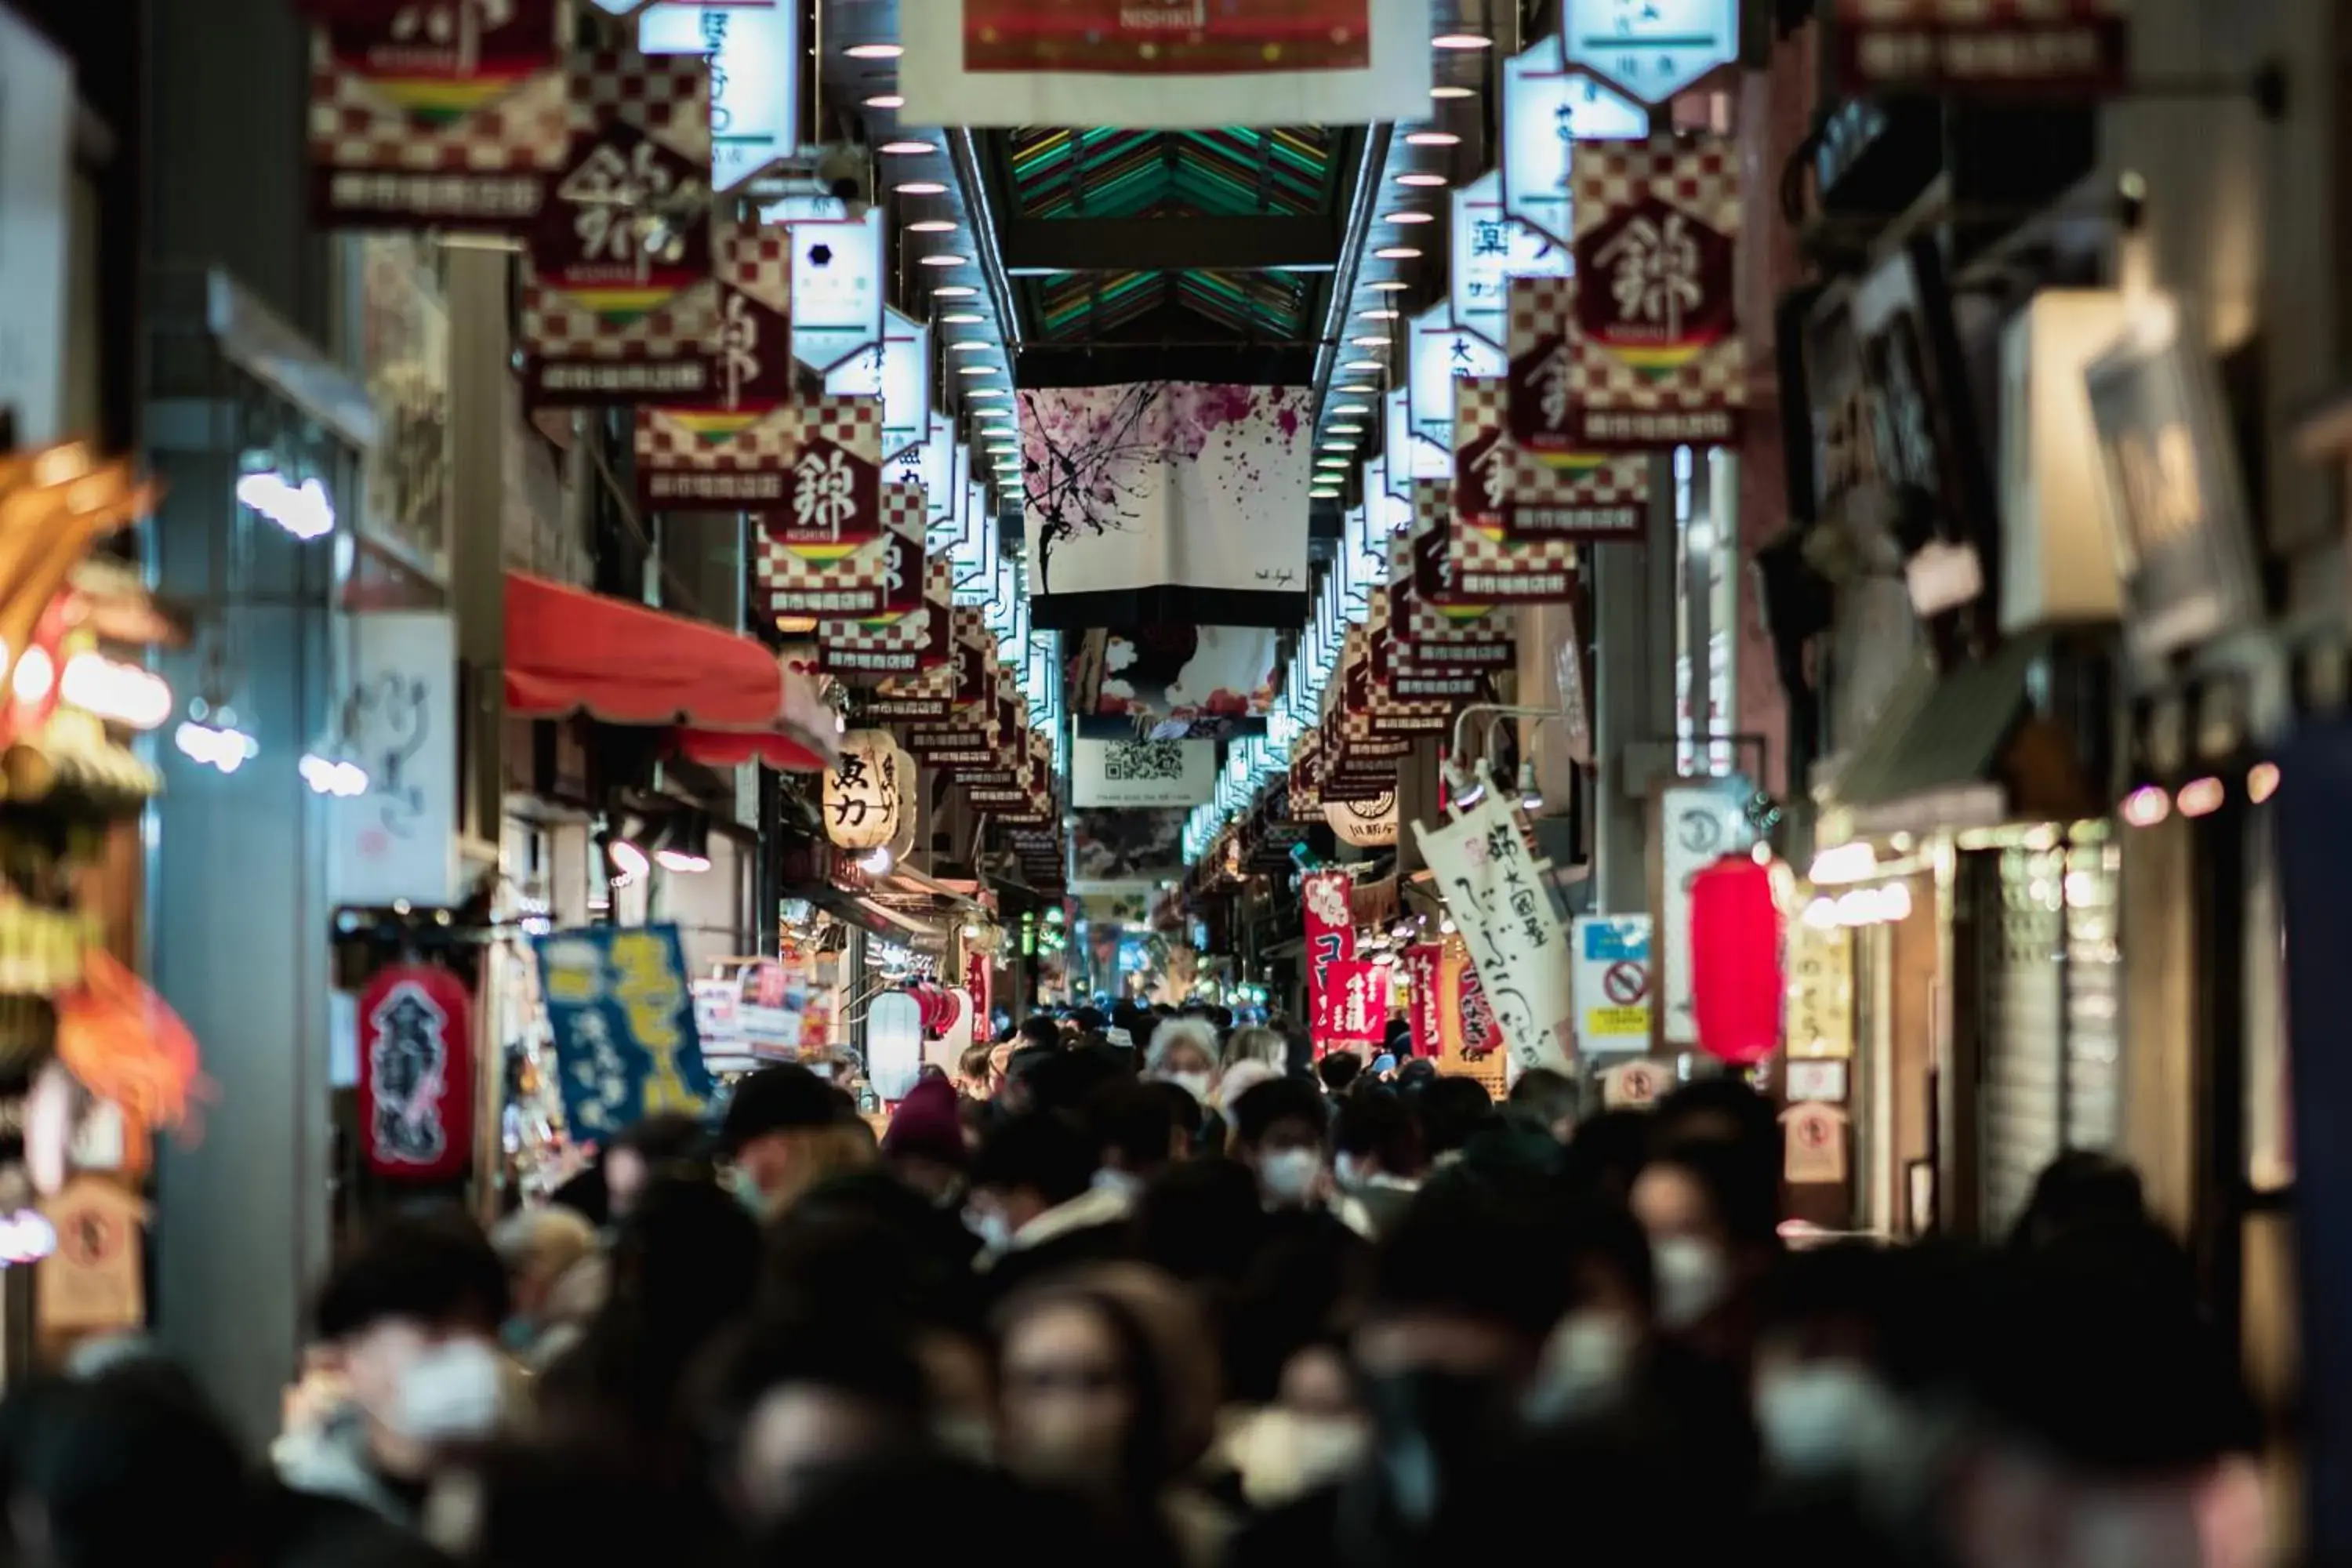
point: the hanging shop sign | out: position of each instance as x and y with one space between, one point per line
877 582
459 122
863 791
1357 1019
417 1088
1407 454
755 76
1490 248
620 297
911 659
1421 962
1654 354
94 1281
37 163
733 447
1469 555
1547 109
1500 895
1699 824
718 1025
1330 930
897 370
1439 354
2175 500
623 1019
1650 50
1502 488
1612 982
1365 824
2074 48
1142 772
1169 67
932 464
1468 1028
1820 1022
894 1043
831 501
838 288
397 840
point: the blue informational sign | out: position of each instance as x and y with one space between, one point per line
623 1017
1623 938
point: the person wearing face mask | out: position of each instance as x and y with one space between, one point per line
540 1246
1279 1128
1135 1128
1713 1223
1379 1157
1034 1206
1184 1052
785 1131
413 1316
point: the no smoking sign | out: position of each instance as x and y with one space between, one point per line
1625 983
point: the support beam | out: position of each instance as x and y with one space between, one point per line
1033 246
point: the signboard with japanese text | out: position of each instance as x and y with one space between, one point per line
1699 824
1612 982
831 501
1517 495
838 288
879 581
1654 358
718 1025
1357 1013
1420 969
1555 489
1499 896
1488 566
731 447
2071 49
398 841
623 1019
1491 247
1467 1029
417 1088
898 370
912 657
755 76
447 115
1427 558
1439 354
1652 50
620 296
1547 109
1820 1020
1330 930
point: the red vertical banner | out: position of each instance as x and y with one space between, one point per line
1331 939
1421 967
1358 1008
416 1074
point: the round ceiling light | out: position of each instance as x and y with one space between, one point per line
1397 253
947 258
954 291
1379 315
962 318
886 100
976 370
921 188
1461 41
970 346
991 415
1421 180
1351 408
987 392
1356 389
1432 139
1324 492
1444 92
874 51
1408 215
931 225
1363 364
1390 284
908 149
1371 341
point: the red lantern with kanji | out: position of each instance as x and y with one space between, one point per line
1736 972
416 1074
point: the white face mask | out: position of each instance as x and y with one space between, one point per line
1196 1084
1126 1183
1282 1455
1693 1278
1824 1417
1584 1365
995 1232
452 1391
1349 1170
1289 1175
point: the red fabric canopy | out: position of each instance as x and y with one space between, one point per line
569 651
732 748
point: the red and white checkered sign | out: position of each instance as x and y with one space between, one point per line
1502 488
907 659
877 582
1432 638
2059 47
450 116
1654 358
613 311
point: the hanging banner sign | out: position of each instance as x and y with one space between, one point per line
733 447
1358 1014
1470 553
1699 824
1547 109
417 1086
898 370
398 841
611 313
2073 48
1652 50
1364 824
1490 248
1500 895
1467 1029
1330 927
837 295
831 504
1655 355
623 1018
880 582
1820 1020
462 127
919 645
755 76
1612 982
1510 492
1420 969
1439 354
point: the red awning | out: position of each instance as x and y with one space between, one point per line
733 748
570 651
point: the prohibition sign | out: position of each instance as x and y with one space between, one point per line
1625 983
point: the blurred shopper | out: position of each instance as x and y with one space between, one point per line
1378 1156
2079 1190
542 1248
1184 1053
1034 1206
1546 1101
1714 1241
786 1130
1281 1130
1338 1071
925 1145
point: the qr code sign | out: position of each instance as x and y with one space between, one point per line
1128 762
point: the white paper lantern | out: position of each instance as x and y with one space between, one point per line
1366 823
864 790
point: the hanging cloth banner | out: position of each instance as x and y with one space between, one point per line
1193 64
869 649
733 447
1655 359
464 132
877 583
1466 1027
1421 968
1174 682
1530 494
608 315
1168 502
1330 927
1359 1010
1500 895
623 1018
417 1088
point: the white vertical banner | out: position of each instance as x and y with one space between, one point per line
37 116
1500 895
755 76
399 840
1699 824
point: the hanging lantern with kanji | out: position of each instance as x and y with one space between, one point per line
1365 824
864 789
1737 988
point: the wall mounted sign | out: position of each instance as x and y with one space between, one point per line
2074 48
1820 1024
1440 353
1547 109
1612 982
755 76
1525 495
1142 772
732 446
399 840
898 370
1697 824
1813 1144
1490 248
416 1087
836 288
1650 50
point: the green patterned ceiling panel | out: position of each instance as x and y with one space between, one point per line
1065 174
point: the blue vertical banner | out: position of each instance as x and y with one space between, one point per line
623 1017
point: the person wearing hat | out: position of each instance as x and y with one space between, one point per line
785 1131
925 1146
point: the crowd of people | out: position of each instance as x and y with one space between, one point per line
1152 1289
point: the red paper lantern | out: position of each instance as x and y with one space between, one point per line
1737 986
416 1074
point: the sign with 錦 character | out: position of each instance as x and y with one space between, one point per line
1654 346
1499 896
446 114
732 447
879 581
1521 430
916 646
623 1017
620 302
416 1089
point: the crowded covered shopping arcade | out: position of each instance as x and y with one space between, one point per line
1211 783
